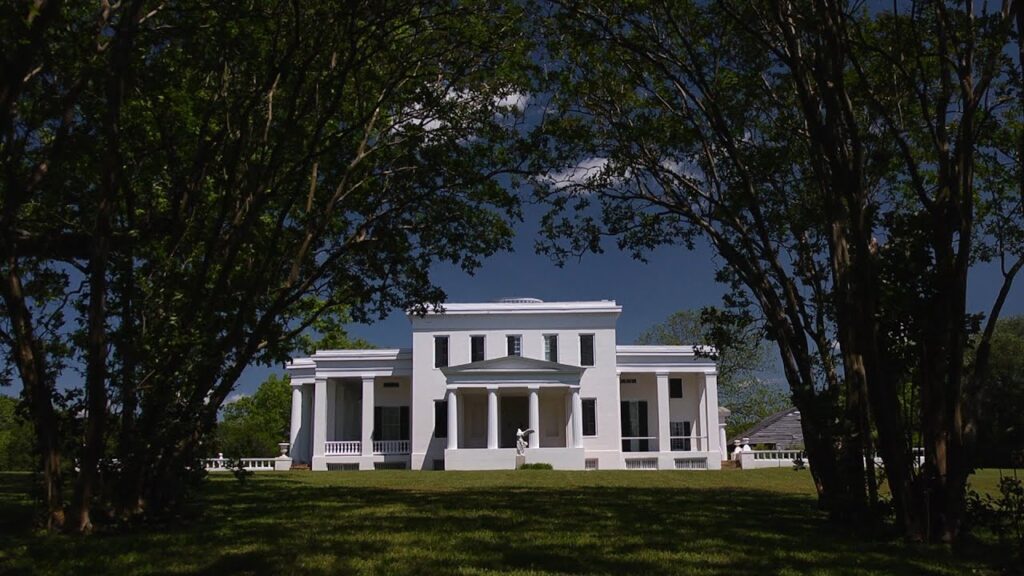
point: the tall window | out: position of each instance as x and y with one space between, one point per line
391 423
586 349
440 351
551 347
589 417
675 387
515 345
634 425
476 348
684 429
440 418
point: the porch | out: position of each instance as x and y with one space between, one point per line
488 401
357 423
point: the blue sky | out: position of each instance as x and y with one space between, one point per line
672 279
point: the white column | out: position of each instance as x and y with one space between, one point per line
453 419
367 440
293 437
319 416
534 438
664 442
711 412
492 418
577 419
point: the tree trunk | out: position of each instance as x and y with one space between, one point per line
38 390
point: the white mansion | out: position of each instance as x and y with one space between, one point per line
478 372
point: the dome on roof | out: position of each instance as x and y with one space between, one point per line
520 301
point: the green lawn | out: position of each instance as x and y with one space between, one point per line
525 522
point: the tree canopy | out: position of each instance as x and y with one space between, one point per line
741 355
193 184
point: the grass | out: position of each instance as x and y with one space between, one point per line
522 522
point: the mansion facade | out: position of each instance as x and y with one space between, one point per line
479 372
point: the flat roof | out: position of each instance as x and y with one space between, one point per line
523 306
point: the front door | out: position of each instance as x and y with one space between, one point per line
515 414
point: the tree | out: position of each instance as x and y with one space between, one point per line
252 426
223 176
1001 410
740 353
771 130
16 449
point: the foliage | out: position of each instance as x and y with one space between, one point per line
252 426
195 184
16 449
810 145
1001 424
537 466
1003 515
741 355
555 522
239 472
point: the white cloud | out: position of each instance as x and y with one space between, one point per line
515 100
582 173
235 398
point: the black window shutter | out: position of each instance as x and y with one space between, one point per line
626 427
642 418
441 419
404 419
377 417
589 418
687 430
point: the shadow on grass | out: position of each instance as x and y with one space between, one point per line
282 525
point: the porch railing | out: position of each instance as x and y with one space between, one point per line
342 447
251 464
686 443
391 447
639 443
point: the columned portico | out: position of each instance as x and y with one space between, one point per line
489 400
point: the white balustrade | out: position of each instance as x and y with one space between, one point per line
344 447
225 464
391 447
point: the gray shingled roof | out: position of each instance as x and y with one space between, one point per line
781 429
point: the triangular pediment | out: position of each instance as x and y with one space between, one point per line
512 364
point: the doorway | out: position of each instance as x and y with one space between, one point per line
514 414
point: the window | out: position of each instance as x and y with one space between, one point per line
440 419
391 423
675 387
440 351
551 347
589 417
634 426
391 385
685 429
515 345
586 349
476 348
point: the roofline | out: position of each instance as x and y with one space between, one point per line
580 307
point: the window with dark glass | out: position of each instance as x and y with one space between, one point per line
440 419
515 345
476 348
586 349
440 351
551 347
390 423
589 417
675 387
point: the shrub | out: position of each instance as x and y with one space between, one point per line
537 466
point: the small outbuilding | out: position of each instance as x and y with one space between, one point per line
780 431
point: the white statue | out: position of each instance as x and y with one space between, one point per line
521 436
